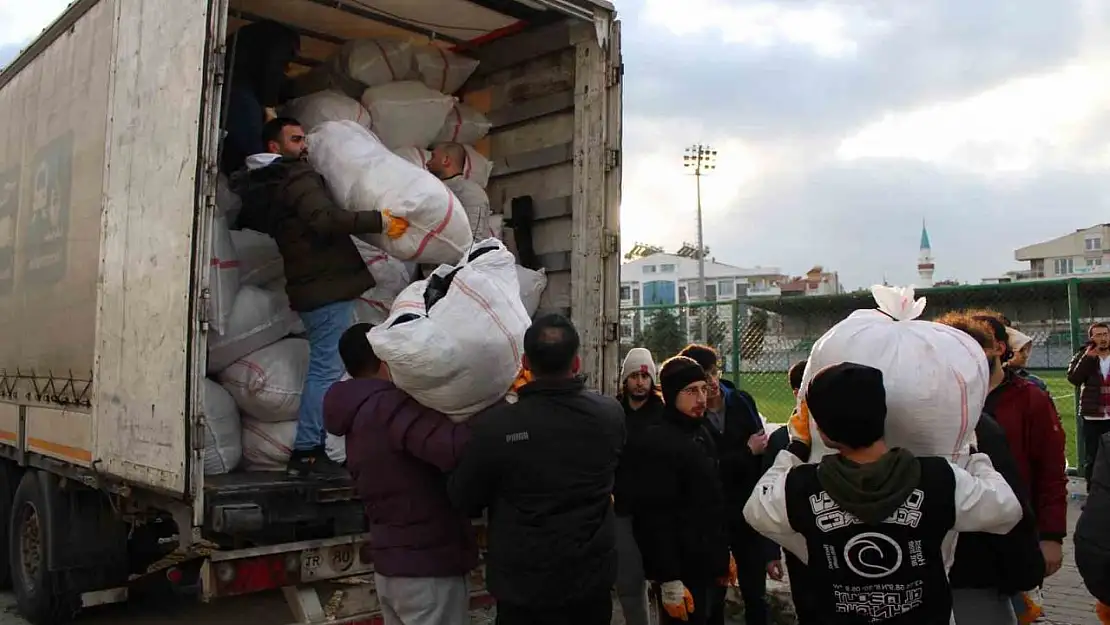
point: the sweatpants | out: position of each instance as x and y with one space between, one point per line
423 600
979 606
596 609
631 586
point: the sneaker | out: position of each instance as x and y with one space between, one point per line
307 462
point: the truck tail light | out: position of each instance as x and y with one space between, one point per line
240 577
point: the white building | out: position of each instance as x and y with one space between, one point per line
1082 253
670 279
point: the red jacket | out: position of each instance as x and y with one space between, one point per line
1036 439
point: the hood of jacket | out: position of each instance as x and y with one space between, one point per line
872 492
347 398
258 55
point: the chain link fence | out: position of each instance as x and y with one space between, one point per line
759 338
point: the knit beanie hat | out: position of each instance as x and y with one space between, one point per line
638 360
1017 339
676 374
848 403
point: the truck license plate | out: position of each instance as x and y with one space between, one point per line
330 562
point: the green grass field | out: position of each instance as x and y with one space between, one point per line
771 391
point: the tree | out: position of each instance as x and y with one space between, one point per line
753 335
663 336
719 334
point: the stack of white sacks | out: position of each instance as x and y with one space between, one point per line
459 355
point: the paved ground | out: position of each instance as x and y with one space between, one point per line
1066 601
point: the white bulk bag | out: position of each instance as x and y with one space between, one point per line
267 384
464 125
476 203
260 261
406 113
478 168
443 70
228 203
377 61
331 74
223 440
223 279
936 377
416 156
363 175
267 446
258 318
532 284
326 106
391 276
463 353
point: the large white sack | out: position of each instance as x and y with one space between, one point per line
463 353
326 106
258 318
223 279
377 61
406 113
936 377
464 124
363 175
228 203
267 384
476 202
267 446
416 156
223 439
260 260
391 276
532 284
478 168
443 70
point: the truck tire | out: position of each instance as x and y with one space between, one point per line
9 481
39 593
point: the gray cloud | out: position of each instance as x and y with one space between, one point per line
863 218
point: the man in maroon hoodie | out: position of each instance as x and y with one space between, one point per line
1036 439
398 452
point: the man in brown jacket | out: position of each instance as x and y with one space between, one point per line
1090 371
284 197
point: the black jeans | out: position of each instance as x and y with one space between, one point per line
1092 433
597 609
800 591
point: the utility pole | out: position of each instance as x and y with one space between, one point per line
699 159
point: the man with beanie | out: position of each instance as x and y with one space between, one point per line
733 419
875 525
643 407
676 500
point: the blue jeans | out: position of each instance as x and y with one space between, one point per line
324 326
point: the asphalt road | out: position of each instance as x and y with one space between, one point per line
266 608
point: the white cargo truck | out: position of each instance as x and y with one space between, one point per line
111 124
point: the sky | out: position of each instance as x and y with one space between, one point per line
842 125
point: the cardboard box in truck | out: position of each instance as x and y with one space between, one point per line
107 196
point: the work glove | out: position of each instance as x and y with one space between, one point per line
677 600
730 579
1030 608
1103 612
799 424
393 226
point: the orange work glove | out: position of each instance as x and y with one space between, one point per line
730 579
1103 612
799 424
394 226
1032 609
677 600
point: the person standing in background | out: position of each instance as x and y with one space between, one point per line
544 468
732 416
643 407
1022 345
1090 372
1092 533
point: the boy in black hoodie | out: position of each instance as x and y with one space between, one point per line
873 524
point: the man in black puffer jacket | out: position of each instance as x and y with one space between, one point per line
676 500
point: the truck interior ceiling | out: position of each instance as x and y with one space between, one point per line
525 85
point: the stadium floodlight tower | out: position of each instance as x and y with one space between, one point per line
700 159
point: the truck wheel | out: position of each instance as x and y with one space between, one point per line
9 481
39 592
